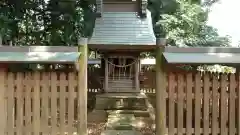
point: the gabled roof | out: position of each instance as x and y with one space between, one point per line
123 28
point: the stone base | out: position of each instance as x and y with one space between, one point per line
127 113
120 121
120 132
97 116
112 101
137 113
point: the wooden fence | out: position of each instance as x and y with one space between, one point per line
196 103
206 103
41 102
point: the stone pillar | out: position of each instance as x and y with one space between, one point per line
106 74
137 74
82 86
160 89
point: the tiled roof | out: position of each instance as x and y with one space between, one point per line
123 28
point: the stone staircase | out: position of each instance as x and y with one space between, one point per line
123 113
124 110
120 85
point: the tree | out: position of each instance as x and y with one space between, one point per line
41 22
184 23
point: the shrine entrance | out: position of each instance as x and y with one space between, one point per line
121 73
121 68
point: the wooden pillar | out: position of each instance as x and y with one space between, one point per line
106 74
160 89
2 102
137 75
82 86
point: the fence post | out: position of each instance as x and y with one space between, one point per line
82 86
2 102
160 89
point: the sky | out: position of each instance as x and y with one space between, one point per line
225 17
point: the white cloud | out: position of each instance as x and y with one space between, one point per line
225 17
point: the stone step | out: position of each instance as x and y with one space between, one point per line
120 83
119 90
123 95
128 121
120 86
115 101
121 80
137 113
120 132
123 107
120 121
97 116
141 122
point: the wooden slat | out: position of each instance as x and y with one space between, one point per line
171 80
62 104
232 105
206 93
10 104
223 104
238 92
53 103
215 108
193 131
3 102
70 103
36 104
28 112
180 103
19 93
189 104
197 103
45 107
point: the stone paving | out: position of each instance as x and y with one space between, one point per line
120 124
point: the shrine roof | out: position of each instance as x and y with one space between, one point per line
123 28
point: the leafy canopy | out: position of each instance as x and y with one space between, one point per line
184 23
45 22
61 22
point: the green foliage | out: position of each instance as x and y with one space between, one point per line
184 23
42 22
216 68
